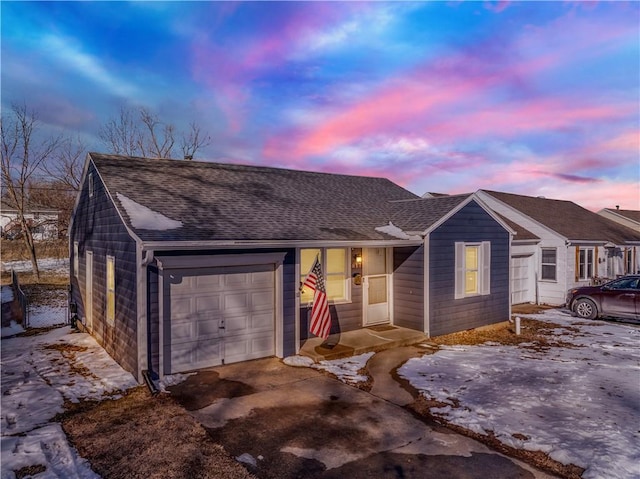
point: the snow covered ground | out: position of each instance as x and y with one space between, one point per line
55 265
38 374
579 405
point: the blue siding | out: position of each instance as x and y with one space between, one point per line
447 315
408 287
97 227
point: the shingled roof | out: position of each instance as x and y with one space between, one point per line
568 219
216 201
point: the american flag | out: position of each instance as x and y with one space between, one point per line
320 317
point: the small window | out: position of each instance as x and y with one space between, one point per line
473 269
75 259
585 263
90 181
111 290
549 260
628 261
335 269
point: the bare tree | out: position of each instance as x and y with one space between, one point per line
68 163
141 132
193 141
22 155
158 140
56 195
122 135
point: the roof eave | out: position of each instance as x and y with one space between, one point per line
263 244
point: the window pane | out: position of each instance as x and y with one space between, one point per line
471 258
549 256
336 260
307 257
335 287
471 282
378 290
549 271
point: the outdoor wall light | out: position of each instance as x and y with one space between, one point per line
357 260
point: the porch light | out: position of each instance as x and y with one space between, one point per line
357 260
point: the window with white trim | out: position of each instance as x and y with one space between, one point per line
585 263
548 266
111 290
473 269
335 268
75 258
90 180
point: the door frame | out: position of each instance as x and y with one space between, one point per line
365 290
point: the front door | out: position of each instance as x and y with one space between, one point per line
375 266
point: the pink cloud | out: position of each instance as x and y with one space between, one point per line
496 6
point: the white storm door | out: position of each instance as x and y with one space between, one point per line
88 303
375 264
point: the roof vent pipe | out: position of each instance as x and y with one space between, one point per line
617 207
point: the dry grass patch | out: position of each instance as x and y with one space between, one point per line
534 334
140 436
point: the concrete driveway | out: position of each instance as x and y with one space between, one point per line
288 422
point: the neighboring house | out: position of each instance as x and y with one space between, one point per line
564 245
183 265
628 218
42 221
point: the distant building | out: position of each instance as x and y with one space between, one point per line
42 221
629 218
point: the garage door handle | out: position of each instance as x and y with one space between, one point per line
221 325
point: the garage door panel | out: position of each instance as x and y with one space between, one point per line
196 355
241 297
520 280
208 303
234 302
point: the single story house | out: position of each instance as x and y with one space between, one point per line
42 221
628 218
180 265
560 245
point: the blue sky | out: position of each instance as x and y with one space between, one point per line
535 98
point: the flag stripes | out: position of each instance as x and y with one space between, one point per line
320 315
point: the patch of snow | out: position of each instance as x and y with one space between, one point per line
579 405
55 265
42 316
11 330
393 230
172 380
346 370
38 374
298 361
145 218
247 458
7 293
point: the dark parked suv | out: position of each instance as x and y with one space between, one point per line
618 298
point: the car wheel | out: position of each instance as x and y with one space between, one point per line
585 308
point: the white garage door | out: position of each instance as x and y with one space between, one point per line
521 280
221 315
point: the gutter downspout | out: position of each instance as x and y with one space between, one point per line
147 374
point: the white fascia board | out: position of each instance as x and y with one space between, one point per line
195 245
471 197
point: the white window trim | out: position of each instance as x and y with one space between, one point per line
111 318
323 261
484 269
90 180
542 263
586 276
76 261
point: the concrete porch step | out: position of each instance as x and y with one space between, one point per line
352 343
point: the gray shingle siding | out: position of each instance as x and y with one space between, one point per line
97 227
408 287
470 224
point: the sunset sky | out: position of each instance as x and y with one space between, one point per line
534 98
